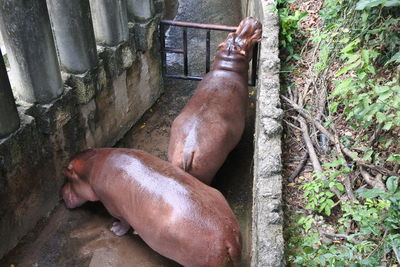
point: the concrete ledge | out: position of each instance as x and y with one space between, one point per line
267 238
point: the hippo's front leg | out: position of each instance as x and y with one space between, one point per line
120 227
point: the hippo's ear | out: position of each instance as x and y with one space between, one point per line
70 172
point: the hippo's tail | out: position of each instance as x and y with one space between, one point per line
187 160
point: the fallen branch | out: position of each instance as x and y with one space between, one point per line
375 135
299 168
292 125
310 147
304 113
397 254
347 183
377 168
370 180
333 235
313 155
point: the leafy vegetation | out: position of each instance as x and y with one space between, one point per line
350 213
289 28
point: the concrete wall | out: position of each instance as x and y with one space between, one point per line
267 226
95 110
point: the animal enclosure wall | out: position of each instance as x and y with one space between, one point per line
267 224
94 104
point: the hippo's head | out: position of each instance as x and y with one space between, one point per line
77 189
242 41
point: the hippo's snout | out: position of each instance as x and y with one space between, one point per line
70 198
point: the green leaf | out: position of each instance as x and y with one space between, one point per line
388 143
395 57
351 58
371 69
348 48
308 250
381 89
362 75
390 3
388 125
363 4
369 193
348 68
335 163
340 187
383 96
328 210
364 16
329 194
380 117
368 154
333 107
365 56
343 88
392 183
394 157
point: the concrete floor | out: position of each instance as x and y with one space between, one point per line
81 237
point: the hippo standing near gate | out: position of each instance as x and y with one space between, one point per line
174 213
212 122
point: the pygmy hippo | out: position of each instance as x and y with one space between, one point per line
212 122
174 213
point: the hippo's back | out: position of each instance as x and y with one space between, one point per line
181 217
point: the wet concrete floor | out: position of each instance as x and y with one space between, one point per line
81 237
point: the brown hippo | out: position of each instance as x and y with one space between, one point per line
212 122
174 213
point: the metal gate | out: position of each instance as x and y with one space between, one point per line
184 50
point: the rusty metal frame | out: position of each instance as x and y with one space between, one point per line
184 50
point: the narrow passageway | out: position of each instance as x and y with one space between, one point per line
81 237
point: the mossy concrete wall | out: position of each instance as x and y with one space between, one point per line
267 226
95 110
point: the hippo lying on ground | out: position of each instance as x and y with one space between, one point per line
174 213
212 122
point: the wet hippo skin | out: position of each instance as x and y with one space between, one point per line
212 122
175 214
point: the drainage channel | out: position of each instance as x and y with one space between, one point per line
81 237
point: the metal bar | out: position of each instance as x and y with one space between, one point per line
184 51
163 54
183 77
185 54
208 56
199 25
174 51
254 62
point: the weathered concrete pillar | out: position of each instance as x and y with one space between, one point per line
9 120
26 31
140 10
73 32
110 21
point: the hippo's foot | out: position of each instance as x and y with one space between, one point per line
120 228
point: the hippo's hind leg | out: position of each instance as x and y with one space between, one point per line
120 227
